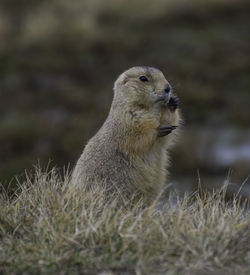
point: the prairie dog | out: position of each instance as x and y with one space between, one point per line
129 152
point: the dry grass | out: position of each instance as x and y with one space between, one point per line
49 227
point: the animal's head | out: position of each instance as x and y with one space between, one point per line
141 85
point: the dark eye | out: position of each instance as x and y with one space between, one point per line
143 78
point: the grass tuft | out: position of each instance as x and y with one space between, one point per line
48 226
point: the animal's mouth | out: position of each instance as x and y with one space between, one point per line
164 97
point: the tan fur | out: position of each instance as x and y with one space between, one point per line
126 155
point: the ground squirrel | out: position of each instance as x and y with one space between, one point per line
129 152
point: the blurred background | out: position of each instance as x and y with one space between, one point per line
59 59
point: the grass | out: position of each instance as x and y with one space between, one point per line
48 226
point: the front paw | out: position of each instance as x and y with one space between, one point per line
173 103
165 130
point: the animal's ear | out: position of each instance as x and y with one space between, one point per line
125 80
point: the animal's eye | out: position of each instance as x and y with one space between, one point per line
143 78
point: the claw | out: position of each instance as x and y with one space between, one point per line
173 103
165 130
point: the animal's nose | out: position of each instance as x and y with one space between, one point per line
167 88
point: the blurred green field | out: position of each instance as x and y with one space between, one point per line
59 59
